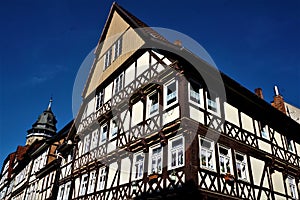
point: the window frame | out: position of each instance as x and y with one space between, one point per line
292 187
166 85
119 82
92 182
118 47
112 132
137 170
102 177
177 151
102 141
200 93
263 130
149 104
245 163
99 99
208 95
229 156
87 143
83 184
155 156
94 141
107 58
211 150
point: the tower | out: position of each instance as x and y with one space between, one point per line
44 127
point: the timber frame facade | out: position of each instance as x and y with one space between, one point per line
151 128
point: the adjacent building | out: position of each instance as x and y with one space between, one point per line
158 122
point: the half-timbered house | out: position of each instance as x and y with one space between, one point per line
155 124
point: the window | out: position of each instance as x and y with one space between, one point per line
86 146
292 187
95 135
207 154
113 128
63 193
83 185
152 104
99 99
103 133
170 93
118 47
212 101
118 83
195 91
92 182
263 131
225 159
155 157
290 145
138 166
176 152
107 59
241 166
101 179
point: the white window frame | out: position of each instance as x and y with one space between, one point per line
155 159
92 182
292 187
166 105
113 130
240 164
178 151
200 93
138 166
94 139
263 129
118 83
210 102
151 106
101 178
107 58
99 99
205 151
290 145
83 184
64 190
87 143
118 47
103 135
228 158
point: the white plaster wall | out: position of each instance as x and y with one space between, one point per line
196 115
108 92
125 116
277 181
257 167
111 146
247 122
231 114
142 63
125 171
111 173
171 115
297 148
130 74
137 113
278 139
264 146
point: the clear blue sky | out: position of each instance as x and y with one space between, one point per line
43 43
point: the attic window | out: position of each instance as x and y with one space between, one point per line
107 58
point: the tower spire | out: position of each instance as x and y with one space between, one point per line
50 104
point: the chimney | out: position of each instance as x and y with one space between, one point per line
258 92
178 43
278 102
